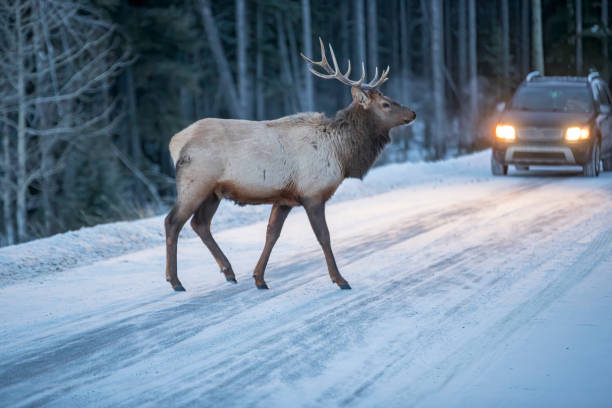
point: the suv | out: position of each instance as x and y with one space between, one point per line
556 121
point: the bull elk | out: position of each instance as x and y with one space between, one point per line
292 161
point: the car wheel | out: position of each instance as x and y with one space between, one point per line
606 164
497 168
591 169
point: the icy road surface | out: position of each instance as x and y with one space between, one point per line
468 291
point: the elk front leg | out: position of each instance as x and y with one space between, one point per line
275 224
316 216
201 225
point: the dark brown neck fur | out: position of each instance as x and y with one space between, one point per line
361 139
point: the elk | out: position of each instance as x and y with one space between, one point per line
297 160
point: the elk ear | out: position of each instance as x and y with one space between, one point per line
360 96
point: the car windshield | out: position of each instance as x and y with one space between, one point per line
552 99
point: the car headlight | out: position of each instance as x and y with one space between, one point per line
505 132
574 133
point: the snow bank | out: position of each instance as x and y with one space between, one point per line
87 245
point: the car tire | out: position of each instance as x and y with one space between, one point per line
591 169
606 164
497 168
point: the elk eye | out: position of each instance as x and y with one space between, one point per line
385 105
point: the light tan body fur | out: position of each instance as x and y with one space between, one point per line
251 162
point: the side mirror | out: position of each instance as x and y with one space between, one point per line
500 106
605 109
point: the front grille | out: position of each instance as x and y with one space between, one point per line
539 156
539 133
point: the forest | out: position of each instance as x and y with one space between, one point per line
91 91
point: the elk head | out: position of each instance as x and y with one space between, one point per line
366 95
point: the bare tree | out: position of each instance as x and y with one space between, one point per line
360 34
225 75
425 41
604 44
462 42
473 80
291 100
578 37
259 60
60 56
525 37
505 19
241 51
307 45
7 185
404 51
372 35
437 62
536 31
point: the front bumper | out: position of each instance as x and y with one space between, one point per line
543 153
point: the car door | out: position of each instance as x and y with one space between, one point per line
604 119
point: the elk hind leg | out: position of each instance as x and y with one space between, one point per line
201 225
275 224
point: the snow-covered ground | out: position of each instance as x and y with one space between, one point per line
468 290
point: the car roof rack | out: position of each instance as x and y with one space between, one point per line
532 75
592 75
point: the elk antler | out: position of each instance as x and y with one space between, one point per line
335 72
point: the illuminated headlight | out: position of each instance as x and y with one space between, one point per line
505 132
576 133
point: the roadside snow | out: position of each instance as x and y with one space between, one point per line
88 245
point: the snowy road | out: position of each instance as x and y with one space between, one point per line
475 292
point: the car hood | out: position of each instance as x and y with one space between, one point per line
544 119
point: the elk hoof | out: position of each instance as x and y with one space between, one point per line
263 285
231 279
345 286
178 288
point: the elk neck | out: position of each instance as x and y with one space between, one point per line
359 139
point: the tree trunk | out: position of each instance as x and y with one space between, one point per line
345 42
525 37
447 39
41 119
425 41
395 33
505 17
437 62
536 31
473 80
7 188
259 60
359 24
296 66
578 37
307 50
241 51
604 44
223 67
462 44
404 52
22 188
372 36
130 91
285 68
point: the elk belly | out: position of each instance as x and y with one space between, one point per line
253 181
